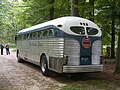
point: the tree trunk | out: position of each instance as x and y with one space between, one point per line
113 38
51 12
74 8
117 69
113 30
92 10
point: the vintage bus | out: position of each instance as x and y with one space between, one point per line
64 45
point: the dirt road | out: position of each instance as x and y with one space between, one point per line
24 76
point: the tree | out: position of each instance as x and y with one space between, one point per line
4 18
117 68
10 20
107 17
113 30
51 12
62 8
92 10
36 11
74 8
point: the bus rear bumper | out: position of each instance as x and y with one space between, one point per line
82 68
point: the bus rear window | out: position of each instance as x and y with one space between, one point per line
78 30
91 31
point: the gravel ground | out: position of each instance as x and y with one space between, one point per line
26 76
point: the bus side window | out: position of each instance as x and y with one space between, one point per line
22 37
51 33
25 36
45 33
34 34
39 34
30 35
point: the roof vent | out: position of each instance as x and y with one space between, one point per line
80 23
86 24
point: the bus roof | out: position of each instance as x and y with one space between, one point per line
64 24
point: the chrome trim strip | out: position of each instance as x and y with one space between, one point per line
84 68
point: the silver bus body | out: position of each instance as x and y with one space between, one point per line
66 51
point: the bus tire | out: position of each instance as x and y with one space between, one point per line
20 60
44 66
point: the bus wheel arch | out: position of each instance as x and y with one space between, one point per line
20 60
44 65
17 53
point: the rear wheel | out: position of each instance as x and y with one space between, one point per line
44 66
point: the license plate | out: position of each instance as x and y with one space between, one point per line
85 61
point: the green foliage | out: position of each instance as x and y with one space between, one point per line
4 24
62 8
104 15
15 16
13 49
36 12
93 85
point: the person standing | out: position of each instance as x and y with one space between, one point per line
7 49
2 47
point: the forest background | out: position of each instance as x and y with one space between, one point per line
19 14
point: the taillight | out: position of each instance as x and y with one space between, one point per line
86 42
101 59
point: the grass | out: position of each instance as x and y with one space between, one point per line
13 49
93 85
71 88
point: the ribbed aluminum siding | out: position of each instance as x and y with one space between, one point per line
72 50
96 52
56 47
